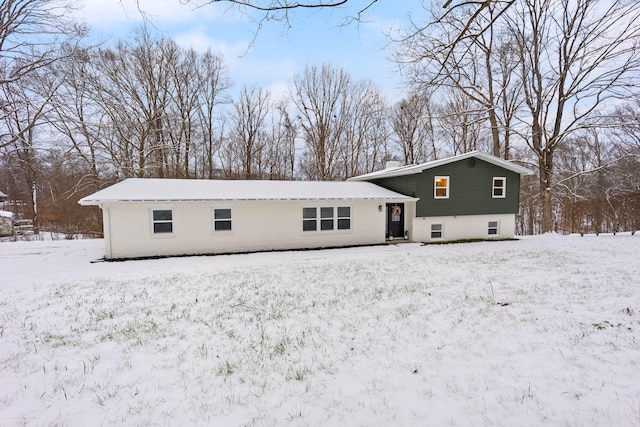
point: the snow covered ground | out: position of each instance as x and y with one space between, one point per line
540 331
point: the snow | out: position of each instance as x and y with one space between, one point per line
6 214
540 331
149 189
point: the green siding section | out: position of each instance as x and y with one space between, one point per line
470 189
402 184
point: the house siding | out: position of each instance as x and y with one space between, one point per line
402 184
470 189
464 227
277 227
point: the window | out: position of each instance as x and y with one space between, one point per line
222 219
441 187
499 187
493 228
162 221
326 218
309 219
344 218
436 231
326 221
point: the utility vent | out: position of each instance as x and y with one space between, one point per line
392 164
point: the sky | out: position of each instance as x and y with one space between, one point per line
278 52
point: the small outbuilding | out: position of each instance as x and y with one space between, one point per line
6 223
170 217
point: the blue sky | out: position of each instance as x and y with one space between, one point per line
278 52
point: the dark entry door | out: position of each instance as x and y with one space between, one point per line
395 219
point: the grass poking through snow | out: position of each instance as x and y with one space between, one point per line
533 332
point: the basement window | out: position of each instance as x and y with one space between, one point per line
441 187
493 228
499 187
436 231
222 219
162 221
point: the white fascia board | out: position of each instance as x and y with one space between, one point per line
415 169
90 202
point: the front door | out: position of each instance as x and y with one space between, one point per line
395 220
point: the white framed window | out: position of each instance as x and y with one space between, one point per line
162 221
437 231
499 187
441 187
309 219
222 219
326 218
344 218
493 228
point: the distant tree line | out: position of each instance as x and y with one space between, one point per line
548 84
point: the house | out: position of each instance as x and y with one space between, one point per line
474 195
470 196
165 217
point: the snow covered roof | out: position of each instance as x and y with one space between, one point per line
6 214
414 169
195 190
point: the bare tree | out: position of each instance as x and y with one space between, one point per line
280 159
31 35
412 122
459 123
215 84
366 129
480 67
248 139
575 55
320 97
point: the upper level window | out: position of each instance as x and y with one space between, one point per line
162 221
222 219
441 187
499 188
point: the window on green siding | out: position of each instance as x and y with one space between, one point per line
344 218
436 231
309 219
493 228
162 221
222 219
499 188
441 187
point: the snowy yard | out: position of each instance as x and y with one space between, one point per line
540 331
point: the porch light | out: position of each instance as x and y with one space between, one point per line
379 208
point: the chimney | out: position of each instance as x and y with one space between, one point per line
392 164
